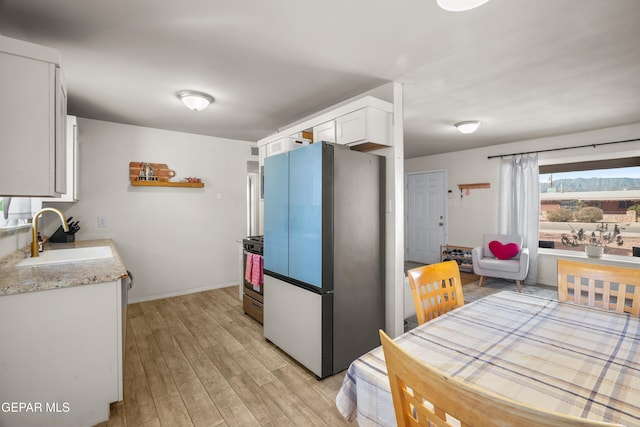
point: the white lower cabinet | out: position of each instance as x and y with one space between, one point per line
61 355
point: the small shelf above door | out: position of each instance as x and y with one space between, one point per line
167 184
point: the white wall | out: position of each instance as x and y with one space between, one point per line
467 218
476 214
173 240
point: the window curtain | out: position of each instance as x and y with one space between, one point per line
18 210
519 205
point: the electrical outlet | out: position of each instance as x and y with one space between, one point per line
102 221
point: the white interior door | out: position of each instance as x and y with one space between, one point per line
425 216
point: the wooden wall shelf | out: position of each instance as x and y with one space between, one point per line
473 186
167 184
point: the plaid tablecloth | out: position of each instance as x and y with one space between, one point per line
557 356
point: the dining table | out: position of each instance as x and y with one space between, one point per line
553 355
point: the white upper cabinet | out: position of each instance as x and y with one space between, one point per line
32 120
72 164
60 116
364 129
364 124
325 132
284 144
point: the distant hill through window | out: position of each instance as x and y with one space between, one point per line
582 206
590 184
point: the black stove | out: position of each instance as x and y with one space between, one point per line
253 294
253 244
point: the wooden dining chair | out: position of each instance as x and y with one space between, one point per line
436 289
606 287
423 396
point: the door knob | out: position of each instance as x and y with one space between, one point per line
441 224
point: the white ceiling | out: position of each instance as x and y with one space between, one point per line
526 68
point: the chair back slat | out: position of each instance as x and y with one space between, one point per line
436 289
423 396
600 286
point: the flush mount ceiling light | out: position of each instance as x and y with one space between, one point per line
469 126
195 100
460 5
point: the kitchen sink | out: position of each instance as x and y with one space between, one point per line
60 256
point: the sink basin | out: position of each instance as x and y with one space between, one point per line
60 256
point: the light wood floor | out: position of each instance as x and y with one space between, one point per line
468 277
198 360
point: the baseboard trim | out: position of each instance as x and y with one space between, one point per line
181 292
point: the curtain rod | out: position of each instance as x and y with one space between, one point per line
563 148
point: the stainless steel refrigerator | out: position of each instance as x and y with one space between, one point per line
324 254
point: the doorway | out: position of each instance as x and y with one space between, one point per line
253 198
426 213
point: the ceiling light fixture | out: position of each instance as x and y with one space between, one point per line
469 126
460 5
195 100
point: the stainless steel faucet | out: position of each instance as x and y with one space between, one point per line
34 228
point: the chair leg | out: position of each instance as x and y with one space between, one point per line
518 285
481 280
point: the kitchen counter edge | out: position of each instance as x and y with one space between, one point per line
18 280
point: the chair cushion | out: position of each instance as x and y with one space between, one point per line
502 251
502 238
509 265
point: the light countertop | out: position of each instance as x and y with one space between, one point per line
17 280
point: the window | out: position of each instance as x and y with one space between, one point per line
582 203
19 211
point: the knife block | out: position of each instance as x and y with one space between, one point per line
61 236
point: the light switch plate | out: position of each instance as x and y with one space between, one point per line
102 221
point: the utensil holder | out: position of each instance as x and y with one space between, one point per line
61 236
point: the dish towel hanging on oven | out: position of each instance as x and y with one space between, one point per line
257 277
248 267
253 272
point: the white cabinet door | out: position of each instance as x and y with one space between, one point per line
284 144
281 145
325 132
72 164
364 126
351 127
60 117
62 347
32 114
